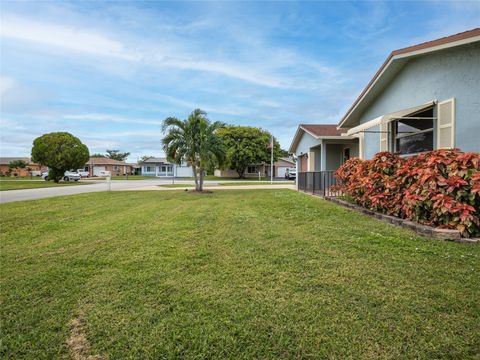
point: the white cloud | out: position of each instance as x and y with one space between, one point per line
110 118
269 71
66 37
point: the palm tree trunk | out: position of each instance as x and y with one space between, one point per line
195 175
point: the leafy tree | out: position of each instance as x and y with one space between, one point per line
283 153
194 140
145 157
117 155
247 145
98 155
60 151
16 164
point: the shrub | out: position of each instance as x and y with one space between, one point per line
438 188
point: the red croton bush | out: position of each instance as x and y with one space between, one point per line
439 188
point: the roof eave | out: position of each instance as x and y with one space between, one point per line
397 55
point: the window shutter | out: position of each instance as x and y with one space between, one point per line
361 137
446 124
383 136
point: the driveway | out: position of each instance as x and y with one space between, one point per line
97 186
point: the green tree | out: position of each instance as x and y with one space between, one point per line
246 146
60 151
16 164
194 140
98 155
117 155
145 157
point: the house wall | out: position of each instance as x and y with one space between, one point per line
183 171
23 172
333 159
452 73
122 169
306 142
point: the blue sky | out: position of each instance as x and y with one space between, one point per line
110 72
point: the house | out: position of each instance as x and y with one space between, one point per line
96 165
32 169
162 167
321 147
279 168
423 97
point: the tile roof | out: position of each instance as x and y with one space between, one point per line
104 161
155 160
322 130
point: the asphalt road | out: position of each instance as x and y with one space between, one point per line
95 186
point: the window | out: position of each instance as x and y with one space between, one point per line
149 168
115 168
414 133
346 154
252 169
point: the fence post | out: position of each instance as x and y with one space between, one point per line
313 183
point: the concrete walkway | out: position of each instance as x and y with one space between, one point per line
120 185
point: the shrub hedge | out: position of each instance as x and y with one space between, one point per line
439 188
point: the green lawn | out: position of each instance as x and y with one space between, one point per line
233 183
260 274
236 183
33 184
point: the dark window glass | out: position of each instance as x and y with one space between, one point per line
412 126
415 143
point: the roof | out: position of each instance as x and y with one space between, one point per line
104 161
8 160
322 129
398 58
287 159
155 160
318 131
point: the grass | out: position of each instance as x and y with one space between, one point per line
179 185
236 183
14 178
233 183
34 184
265 274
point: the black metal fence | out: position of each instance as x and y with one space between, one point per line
319 183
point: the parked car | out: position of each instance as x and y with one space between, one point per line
71 176
290 174
83 173
67 176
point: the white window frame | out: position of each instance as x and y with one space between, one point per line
395 136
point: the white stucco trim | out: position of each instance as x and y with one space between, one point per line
386 118
401 113
367 125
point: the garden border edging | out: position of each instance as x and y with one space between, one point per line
436 233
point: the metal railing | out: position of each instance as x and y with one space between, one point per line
321 183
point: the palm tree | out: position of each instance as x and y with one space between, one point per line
194 140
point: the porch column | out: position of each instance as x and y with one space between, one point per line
323 157
311 161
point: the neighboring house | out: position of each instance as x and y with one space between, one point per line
96 165
162 167
33 169
423 97
320 147
279 168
